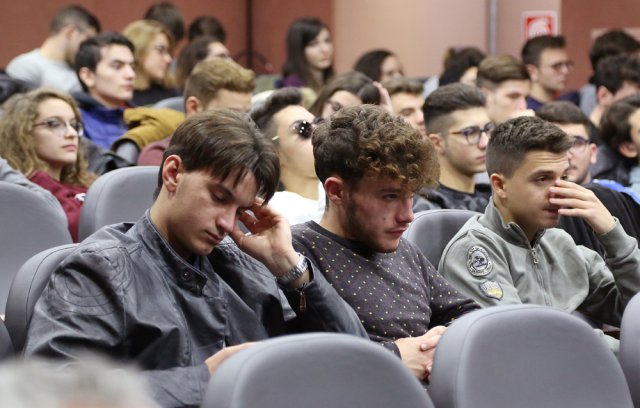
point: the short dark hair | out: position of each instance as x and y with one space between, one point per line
493 71
367 140
513 139
169 15
614 70
206 26
445 100
277 101
355 82
458 62
370 63
403 85
534 46
225 143
612 42
615 128
73 14
564 113
89 53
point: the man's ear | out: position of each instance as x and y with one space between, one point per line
192 106
69 30
87 77
437 141
533 72
334 189
171 172
498 185
593 153
604 96
628 149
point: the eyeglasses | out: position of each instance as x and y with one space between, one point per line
59 127
473 133
579 144
562 64
303 128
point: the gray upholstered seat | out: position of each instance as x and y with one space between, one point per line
6 347
118 196
28 225
629 355
432 230
175 103
315 370
525 356
26 288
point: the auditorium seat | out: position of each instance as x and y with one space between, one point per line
432 230
28 225
525 356
316 370
26 288
118 196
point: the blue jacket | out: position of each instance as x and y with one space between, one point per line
102 125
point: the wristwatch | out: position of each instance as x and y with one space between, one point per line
297 271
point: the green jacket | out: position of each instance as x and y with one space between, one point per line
495 264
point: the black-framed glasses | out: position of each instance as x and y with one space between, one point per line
579 144
303 128
59 126
473 134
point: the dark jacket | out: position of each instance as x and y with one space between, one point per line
448 198
610 165
128 295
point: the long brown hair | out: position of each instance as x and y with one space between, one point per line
17 143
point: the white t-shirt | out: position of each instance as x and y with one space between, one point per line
36 70
299 209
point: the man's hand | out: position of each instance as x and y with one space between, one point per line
577 201
215 360
385 99
269 241
417 352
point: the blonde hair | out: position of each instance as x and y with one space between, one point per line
142 34
17 143
211 75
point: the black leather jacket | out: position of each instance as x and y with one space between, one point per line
126 294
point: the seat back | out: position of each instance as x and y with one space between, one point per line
26 288
312 371
176 103
6 347
432 230
118 196
525 356
28 225
629 355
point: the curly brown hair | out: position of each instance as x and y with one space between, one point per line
367 140
17 144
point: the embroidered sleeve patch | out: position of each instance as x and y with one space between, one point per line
478 262
491 289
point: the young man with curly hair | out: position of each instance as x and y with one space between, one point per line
371 163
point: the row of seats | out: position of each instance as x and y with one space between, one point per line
29 225
521 355
505 356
